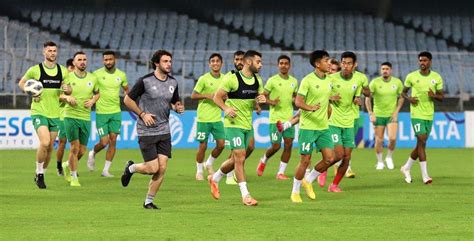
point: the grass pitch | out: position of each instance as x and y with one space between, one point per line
375 205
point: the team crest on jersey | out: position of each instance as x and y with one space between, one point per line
171 89
118 79
292 85
394 87
89 84
317 86
354 87
433 81
330 85
338 86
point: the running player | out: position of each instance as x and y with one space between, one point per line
45 108
426 86
386 91
77 114
158 93
242 89
209 120
62 132
347 84
358 122
313 100
108 114
280 91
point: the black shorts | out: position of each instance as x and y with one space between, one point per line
151 146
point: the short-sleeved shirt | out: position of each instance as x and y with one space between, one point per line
385 94
420 85
244 107
109 87
315 90
48 105
277 86
342 114
155 98
207 110
83 89
364 83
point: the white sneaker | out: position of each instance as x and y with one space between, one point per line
106 174
427 180
389 162
406 173
91 161
380 166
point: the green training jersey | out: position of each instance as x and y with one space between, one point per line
364 83
342 111
244 107
83 89
420 85
207 110
385 94
277 86
109 85
315 90
48 105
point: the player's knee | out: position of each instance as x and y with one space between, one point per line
162 169
153 168
81 152
113 138
250 147
305 161
276 146
62 142
346 157
239 159
392 141
104 142
44 144
422 142
74 150
220 144
329 160
203 146
219 148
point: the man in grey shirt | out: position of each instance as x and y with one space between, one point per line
156 93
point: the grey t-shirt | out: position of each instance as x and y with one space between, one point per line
154 96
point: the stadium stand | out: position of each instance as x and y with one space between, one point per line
136 34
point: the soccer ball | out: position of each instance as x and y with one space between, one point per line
33 87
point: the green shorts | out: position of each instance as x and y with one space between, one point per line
421 127
206 128
77 129
275 136
342 136
62 130
108 123
382 121
237 138
51 123
307 139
